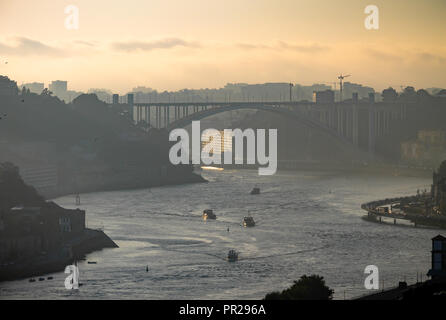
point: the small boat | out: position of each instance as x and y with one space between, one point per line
41 279
32 280
248 222
232 255
209 214
92 262
255 191
49 278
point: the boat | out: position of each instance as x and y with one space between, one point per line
41 279
32 280
232 255
49 278
209 214
248 222
255 191
92 262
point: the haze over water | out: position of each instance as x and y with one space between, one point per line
307 223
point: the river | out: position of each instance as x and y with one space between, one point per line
307 223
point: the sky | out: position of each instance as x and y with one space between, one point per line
177 44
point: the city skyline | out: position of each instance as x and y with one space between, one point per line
172 45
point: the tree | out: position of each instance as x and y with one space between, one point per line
409 94
306 288
13 191
409 91
423 93
46 92
389 95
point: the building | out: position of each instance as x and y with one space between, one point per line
324 97
438 190
59 88
349 88
429 148
29 231
8 87
116 98
438 269
34 87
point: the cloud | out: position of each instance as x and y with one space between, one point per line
429 57
25 46
307 48
167 43
406 55
282 45
381 55
248 46
85 43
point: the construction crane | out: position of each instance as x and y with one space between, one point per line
341 78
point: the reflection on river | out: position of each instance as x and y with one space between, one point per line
306 222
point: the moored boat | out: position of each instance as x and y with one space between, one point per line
255 191
248 222
209 214
232 255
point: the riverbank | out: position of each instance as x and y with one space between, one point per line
346 168
396 208
56 261
115 181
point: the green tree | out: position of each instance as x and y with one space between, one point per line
306 288
389 95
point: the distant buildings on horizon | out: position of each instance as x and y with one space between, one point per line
231 92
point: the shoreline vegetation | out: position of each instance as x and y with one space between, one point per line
132 182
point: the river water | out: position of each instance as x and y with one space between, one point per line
307 223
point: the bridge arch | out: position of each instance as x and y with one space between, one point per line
284 111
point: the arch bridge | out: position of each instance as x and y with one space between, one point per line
356 123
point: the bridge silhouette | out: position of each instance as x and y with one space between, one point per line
355 123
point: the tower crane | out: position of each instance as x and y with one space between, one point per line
341 78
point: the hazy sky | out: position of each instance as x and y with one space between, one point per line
175 44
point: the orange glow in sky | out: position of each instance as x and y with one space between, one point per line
175 44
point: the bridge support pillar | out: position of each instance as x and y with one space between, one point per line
131 105
388 119
331 116
349 124
167 115
372 125
355 124
380 122
339 124
158 116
